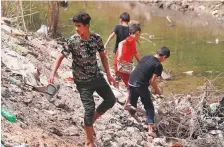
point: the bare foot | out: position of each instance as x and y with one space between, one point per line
94 133
89 144
152 133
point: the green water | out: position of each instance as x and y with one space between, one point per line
190 47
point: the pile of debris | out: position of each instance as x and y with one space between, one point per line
26 64
191 120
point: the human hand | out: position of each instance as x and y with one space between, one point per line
105 46
112 81
51 78
118 60
159 91
105 51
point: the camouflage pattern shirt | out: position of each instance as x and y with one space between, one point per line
84 65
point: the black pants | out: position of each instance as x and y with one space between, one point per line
86 91
144 93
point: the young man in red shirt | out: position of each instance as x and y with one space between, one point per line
126 53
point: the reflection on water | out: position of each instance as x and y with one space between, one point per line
192 48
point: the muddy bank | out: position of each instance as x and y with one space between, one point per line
192 14
214 8
206 14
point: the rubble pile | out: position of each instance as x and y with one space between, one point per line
190 119
26 63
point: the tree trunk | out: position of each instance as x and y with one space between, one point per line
3 8
53 14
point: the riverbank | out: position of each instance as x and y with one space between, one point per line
41 121
214 8
207 14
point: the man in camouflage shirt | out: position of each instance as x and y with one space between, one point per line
87 76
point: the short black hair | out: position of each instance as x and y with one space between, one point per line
82 17
134 28
164 51
125 16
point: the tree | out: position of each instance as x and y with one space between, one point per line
3 8
53 14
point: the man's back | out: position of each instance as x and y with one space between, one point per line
121 32
144 70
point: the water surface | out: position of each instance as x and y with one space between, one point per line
192 48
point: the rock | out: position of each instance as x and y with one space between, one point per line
5 92
28 100
61 104
201 8
159 141
215 132
72 131
210 123
55 131
166 75
160 5
215 12
168 4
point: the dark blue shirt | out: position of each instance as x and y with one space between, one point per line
144 71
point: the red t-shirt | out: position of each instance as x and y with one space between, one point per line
128 50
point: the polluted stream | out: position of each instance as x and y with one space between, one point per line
191 118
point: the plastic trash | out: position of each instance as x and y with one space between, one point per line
42 30
214 107
9 116
189 72
14 88
15 81
51 91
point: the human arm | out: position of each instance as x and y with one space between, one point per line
119 50
104 60
154 85
67 45
157 73
55 68
109 39
137 57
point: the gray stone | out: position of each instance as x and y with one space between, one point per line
159 141
72 131
210 123
201 8
215 12
5 92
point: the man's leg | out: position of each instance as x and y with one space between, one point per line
86 96
108 100
150 111
125 78
133 97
